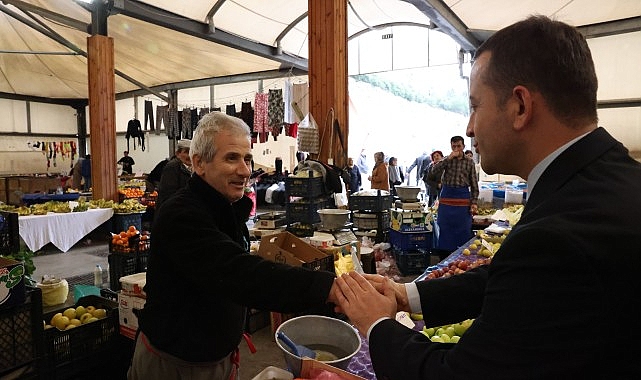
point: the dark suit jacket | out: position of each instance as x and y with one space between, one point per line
561 298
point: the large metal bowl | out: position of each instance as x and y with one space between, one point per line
322 333
408 193
333 218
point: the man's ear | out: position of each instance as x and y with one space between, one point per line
524 103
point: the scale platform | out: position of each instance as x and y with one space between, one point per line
410 205
342 235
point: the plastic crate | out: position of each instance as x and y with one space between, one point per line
21 335
9 236
304 186
371 220
409 241
136 245
305 210
124 264
412 262
301 229
375 203
121 222
71 352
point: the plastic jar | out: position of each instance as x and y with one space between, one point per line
54 291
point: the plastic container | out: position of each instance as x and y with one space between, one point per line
97 276
54 291
410 241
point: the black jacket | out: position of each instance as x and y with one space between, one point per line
200 276
546 307
174 177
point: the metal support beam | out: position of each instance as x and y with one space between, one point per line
53 16
447 21
157 16
611 28
214 81
618 103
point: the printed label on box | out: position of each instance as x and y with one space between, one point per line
127 318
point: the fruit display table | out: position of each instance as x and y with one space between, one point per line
62 229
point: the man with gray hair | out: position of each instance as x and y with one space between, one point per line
200 275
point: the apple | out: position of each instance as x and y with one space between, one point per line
445 338
85 317
75 321
62 322
414 316
92 319
80 310
466 252
437 338
455 339
70 313
55 318
90 309
70 326
99 313
449 330
429 331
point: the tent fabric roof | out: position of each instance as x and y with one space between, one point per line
159 42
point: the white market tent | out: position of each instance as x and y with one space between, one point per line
166 44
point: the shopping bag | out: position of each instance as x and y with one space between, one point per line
308 135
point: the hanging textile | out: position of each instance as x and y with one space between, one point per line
308 135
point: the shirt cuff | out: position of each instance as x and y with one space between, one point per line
374 324
413 298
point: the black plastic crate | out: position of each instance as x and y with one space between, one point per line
304 186
408 241
412 262
121 222
375 203
371 220
9 236
301 229
306 210
70 353
124 264
21 335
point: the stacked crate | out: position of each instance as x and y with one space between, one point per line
411 239
304 196
371 212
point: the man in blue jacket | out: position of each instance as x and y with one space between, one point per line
567 274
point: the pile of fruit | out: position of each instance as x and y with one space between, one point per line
456 267
447 333
149 199
131 192
129 206
128 241
72 318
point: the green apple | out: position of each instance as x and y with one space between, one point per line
440 331
80 310
70 313
459 329
85 317
445 337
429 331
450 331
416 316
455 339
437 339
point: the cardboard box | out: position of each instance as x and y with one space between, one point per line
133 284
127 318
410 220
310 365
286 248
12 287
269 224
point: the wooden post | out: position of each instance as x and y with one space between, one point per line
102 116
328 76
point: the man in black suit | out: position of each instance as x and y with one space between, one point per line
562 296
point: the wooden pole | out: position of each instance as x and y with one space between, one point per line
102 117
328 77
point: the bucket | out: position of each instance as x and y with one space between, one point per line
321 241
319 333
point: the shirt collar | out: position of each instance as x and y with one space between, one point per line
538 170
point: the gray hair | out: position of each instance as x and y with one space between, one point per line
202 142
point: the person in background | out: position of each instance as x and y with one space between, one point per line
363 166
354 176
432 181
85 171
201 276
420 163
469 154
395 176
127 163
560 275
76 174
152 182
379 178
176 173
458 197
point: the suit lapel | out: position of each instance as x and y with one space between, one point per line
567 164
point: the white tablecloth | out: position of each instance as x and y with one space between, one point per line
63 229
